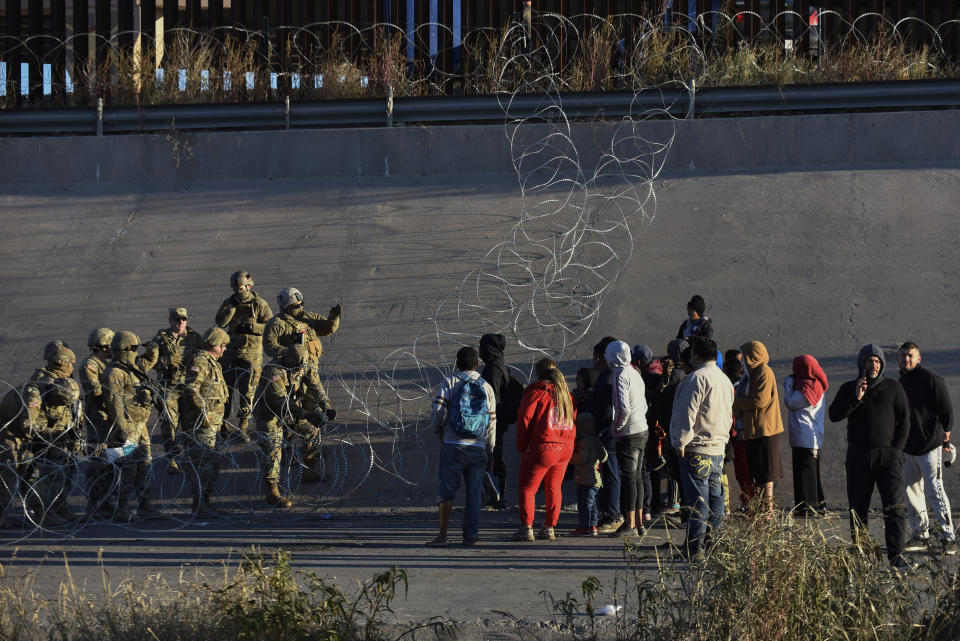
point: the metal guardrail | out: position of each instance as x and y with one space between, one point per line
712 101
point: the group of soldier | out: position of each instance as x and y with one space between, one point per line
51 424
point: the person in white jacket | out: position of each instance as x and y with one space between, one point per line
699 430
804 394
629 428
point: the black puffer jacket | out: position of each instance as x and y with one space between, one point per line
931 413
495 367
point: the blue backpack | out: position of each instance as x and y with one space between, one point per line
469 414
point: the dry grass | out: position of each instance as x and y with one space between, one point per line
774 581
256 600
613 54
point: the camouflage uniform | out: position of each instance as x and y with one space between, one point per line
204 398
243 316
281 404
175 351
304 328
128 399
100 473
56 441
19 413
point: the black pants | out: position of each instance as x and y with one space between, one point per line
629 455
807 489
881 467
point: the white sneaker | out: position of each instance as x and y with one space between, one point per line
917 544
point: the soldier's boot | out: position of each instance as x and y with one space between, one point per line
310 475
273 496
147 510
173 468
243 427
48 517
65 512
203 510
123 514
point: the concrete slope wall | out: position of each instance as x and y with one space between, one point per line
820 260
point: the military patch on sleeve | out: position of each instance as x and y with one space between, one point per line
91 368
275 378
33 404
194 369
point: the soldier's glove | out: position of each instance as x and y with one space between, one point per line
331 414
152 350
317 418
336 311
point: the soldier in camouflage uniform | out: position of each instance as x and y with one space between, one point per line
243 316
204 399
19 414
177 344
56 441
281 404
293 326
100 473
128 400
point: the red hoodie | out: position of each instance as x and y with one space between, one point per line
537 420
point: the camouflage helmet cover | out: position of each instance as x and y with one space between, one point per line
124 340
289 296
62 357
241 278
100 338
215 337
51 348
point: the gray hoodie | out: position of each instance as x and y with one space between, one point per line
629 392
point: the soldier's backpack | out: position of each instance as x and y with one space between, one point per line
469 414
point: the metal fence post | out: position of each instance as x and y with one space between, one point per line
99 116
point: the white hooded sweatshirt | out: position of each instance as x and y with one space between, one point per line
629 397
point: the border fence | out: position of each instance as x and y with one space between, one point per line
76 52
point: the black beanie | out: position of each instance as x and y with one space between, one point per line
697 304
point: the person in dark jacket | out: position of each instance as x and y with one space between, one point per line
878 421
496 374
931 417
601 406
696 325
659 415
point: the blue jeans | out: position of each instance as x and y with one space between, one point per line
471 462
703 488
587 505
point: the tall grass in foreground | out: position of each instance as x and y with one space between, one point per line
259 601
772 581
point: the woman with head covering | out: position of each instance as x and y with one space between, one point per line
757 405
803 395
545 436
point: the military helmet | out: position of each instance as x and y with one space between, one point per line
63 391
124 340
215 337
63 356
241 278
296 356
289 296
51 348
100 338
